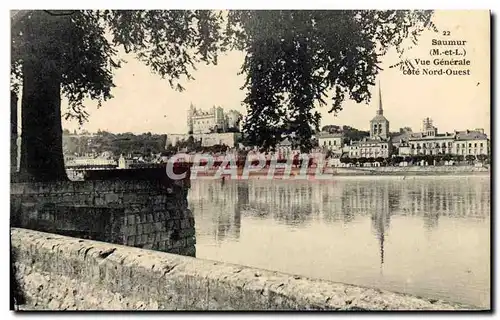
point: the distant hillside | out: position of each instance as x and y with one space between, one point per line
121 143
350 133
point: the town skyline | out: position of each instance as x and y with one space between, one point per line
143 102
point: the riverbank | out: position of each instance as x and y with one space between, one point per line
332 173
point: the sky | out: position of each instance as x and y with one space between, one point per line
143 102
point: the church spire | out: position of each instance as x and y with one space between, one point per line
380 111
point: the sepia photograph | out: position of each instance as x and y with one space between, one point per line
250 160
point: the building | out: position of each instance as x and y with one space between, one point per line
207 139
379 144
420 143
470 142
174 138
375 148
227 138
124 163
233 120
200 121
213 120
379 125
331 141
430 142
284 149
90 161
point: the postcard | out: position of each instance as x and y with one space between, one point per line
250 160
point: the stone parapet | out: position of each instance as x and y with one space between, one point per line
144 214
58 272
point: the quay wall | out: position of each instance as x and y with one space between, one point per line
148 214
412 170
333 172
61 273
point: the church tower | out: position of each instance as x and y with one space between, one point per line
190 121
379 125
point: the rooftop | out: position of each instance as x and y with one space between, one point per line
470 135
379 117
329 135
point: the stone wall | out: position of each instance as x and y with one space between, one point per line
144 214
57 272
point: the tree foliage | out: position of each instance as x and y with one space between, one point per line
84 47
118 144
75 54
294 59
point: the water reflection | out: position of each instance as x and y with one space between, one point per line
426 229
297 204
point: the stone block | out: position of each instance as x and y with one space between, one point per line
131 219
112 198
159 226
164 235
158 207
191 222
191 241
186 233
161 246
130 198
151 238
138 239
177 224
100 201
185 224
181 243
105 186
170 224
132 230
158 237
17 188
83 186
131 240
62 187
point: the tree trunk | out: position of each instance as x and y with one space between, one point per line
13 132
41 139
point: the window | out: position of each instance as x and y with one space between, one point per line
330 143
481 144
475 145
470 145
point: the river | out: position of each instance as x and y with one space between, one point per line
426 236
